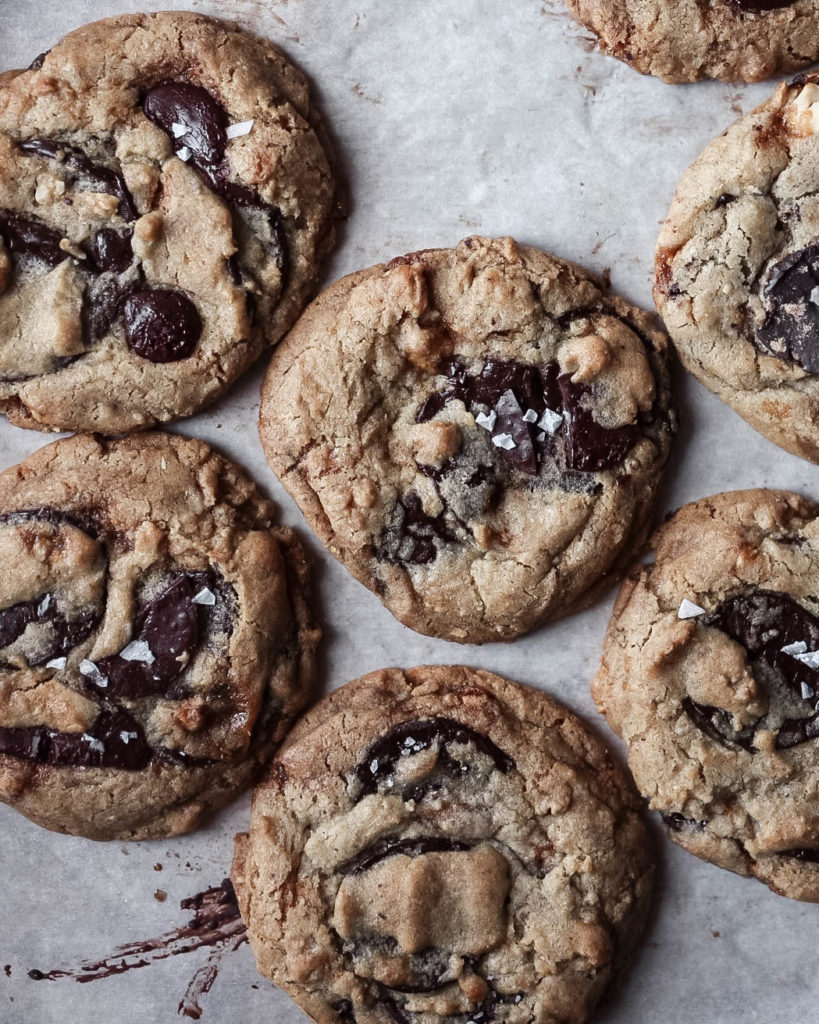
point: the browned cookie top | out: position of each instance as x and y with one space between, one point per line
155 637
711 674
477 433
164 200
439 845
686 40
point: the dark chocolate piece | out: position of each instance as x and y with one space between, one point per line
38 61
86 173
678 823
65 633
591 447
183 103
762 5
794 731
790 330
161 325
26 236
717 724
808 855
110 250
392 847
115 740
409 738
411 537
169 624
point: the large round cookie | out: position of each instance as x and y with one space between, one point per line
164 200
476 433
155 635
686 40
443 844
737 268
710 673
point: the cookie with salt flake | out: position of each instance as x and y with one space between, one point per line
710 673
165 200
737 267
156 638
476 433
449 847
687 40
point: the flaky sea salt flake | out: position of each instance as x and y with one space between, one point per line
530 416
550 421
799 647
486 420
184 154
138 650
179 129
44 605
240 128
58 663
205 596
807 692
504 441
809 658
689 610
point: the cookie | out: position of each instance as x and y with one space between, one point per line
737 268
710 673
164 201
686 40
443 844
477 433
156 639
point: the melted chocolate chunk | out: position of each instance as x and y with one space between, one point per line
804 854
65 633
86 173
169 625
794 731
393 847
411 538
161 325
511 389
26 236
762 5
110 251
344 1009
717 724
115 740
103 305
409 738
791 327
206 121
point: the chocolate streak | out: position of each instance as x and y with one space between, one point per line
414 846
216 923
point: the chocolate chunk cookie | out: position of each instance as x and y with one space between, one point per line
737 268
443 845
711 674
155 635
686 40
164 201
476 433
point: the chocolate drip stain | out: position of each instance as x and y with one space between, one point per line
410 738
206 121
216 923
392 847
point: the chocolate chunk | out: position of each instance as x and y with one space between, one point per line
110 251
807 855
38 61
103 304
762 5
161 325
592 448
678 823
717 724
26 236
190 105
794 731
115 740
411 738
206 121
86 173
411 537
510 421
169 625
65 633
344 1009
790 330
392 847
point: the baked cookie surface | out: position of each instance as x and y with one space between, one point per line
710 673
443 844
737 268
155 635
164 201
476 433
686 40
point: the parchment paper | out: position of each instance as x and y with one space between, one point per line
452 117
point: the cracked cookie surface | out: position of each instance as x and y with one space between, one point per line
710 673
439 845
164 201
687 40
737 268
476 433
156 638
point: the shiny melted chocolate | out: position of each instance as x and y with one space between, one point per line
394 847
764 622
790 330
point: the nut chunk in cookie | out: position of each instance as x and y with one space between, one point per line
164 201
476 433
687 40
710 673
737 268
440 845
156 639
